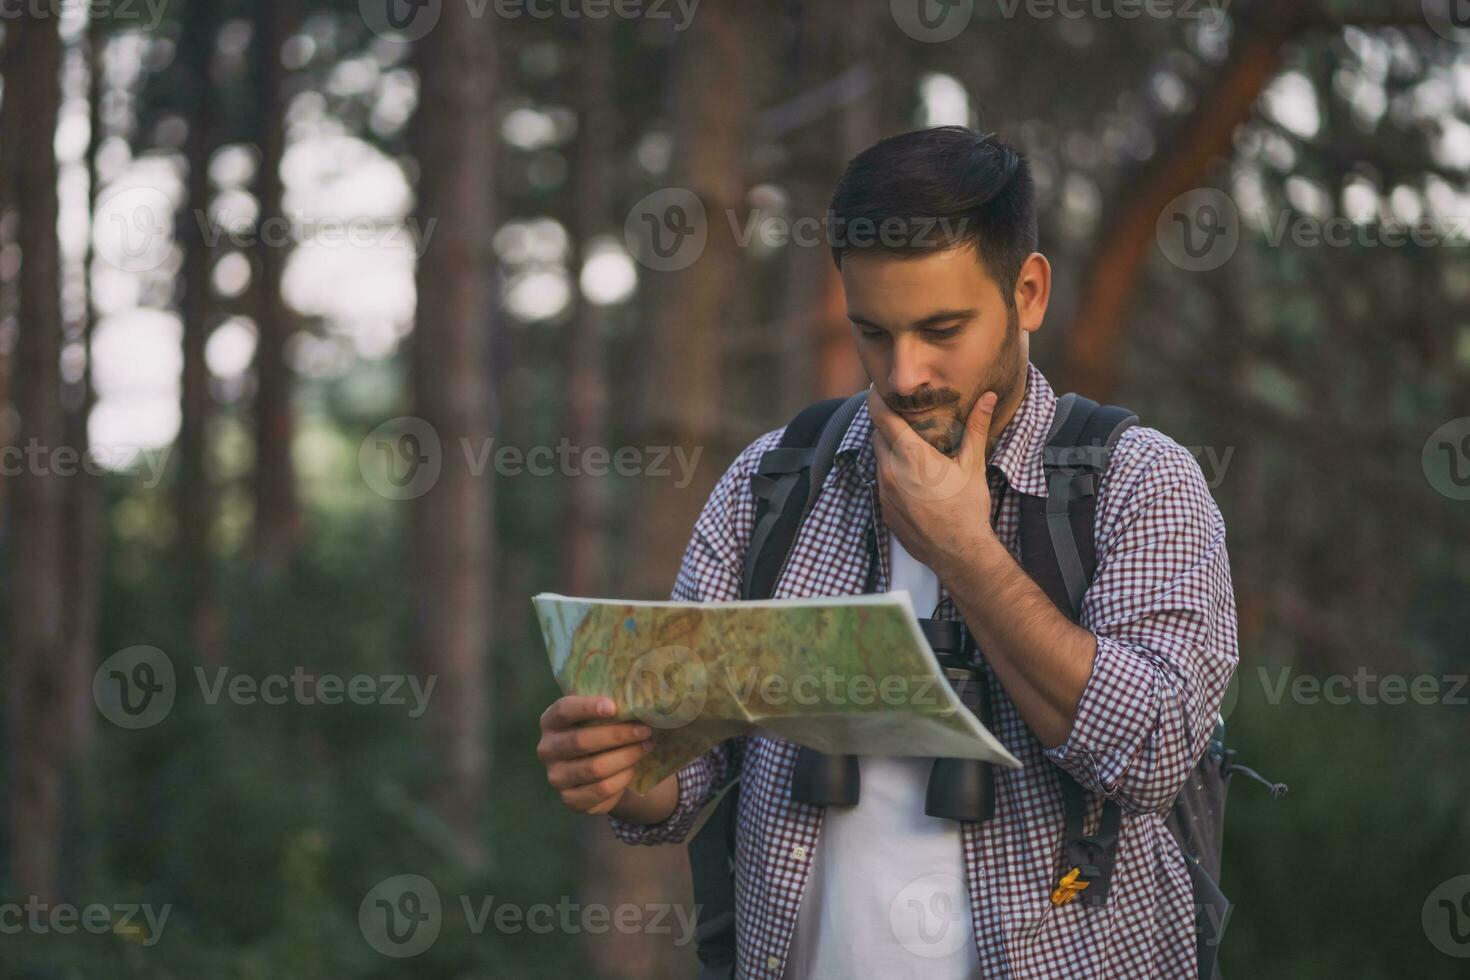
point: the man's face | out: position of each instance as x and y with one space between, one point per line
935 333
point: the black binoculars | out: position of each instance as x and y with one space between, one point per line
959 789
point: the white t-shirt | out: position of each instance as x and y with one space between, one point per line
886 895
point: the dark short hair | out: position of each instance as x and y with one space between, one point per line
937 189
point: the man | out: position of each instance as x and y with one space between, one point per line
1123 700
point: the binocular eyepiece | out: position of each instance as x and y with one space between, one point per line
959 789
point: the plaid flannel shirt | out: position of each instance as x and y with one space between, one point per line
1163 611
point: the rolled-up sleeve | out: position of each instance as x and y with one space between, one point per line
710 572
1162 608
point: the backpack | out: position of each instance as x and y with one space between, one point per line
1058 552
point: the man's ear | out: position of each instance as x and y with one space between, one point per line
1033 291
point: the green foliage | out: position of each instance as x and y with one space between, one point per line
262 827
1330 879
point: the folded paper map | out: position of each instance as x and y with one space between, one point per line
843 674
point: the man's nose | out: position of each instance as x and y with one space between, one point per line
910 369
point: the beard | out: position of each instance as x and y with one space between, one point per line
945 430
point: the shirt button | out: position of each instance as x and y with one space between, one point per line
772 962
799 852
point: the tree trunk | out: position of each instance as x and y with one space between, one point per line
586 382
861 124
37 662
195 493
1090 362
277 514
9 123
85 528
692 318
450 524
813 339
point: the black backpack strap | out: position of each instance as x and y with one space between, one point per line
1076 455
786 483
712 870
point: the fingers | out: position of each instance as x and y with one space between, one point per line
904 451
574 709
575 743
977 427
592 769
601 796
604 806
881 437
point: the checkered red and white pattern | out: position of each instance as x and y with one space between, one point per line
1162 608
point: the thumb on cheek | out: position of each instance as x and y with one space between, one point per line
977 426
984 405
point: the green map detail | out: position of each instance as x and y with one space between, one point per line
841 674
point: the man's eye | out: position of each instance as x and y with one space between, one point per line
943 334
873 334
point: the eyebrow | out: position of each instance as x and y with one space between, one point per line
943 316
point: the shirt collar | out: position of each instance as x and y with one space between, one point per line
1017 454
